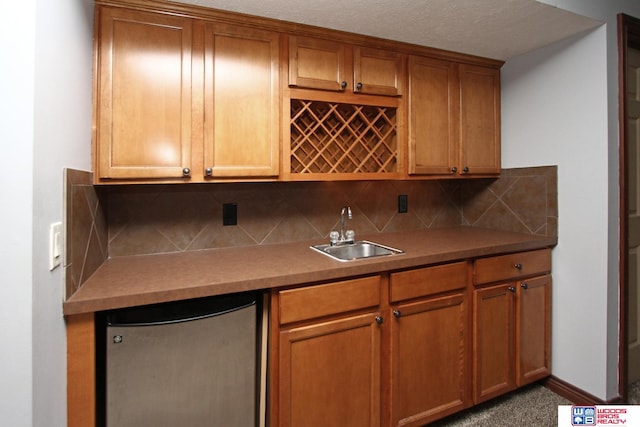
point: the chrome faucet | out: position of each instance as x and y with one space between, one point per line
343 237
346 210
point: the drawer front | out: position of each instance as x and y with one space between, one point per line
428 281
512 266
331 298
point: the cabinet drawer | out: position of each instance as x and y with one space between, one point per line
331 298
512 266
428 280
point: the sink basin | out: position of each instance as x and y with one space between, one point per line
360 249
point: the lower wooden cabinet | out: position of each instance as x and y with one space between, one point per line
428 357
429 344
329 354
385 350
330 373
410 347
494 342
533 323
511 324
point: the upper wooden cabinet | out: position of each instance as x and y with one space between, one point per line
317 64
479 120
377 71
353 127
454 118
241 102
335 66
186 94
185 100
433 112
143 96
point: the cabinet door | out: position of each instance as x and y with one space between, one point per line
330 373
143 95
241 136
433 101
377 72
493 341
479 120
533 323
428 357
317 64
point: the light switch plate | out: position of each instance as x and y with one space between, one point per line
55 245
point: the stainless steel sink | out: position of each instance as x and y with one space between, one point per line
360 249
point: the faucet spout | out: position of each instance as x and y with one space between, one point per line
345 211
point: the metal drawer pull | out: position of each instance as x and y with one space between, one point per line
518 266
524 286
397 313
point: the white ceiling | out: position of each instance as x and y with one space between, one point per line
499 29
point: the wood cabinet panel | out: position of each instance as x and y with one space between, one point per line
330 373
328 299
242 104
533 323
429 360
433 115
317 64
511 266
479 119
377 72
428 281
493 342
143 95
81 370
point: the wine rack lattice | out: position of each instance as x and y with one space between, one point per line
342 138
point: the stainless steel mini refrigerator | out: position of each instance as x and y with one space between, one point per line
185 364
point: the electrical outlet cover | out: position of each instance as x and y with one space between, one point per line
403 203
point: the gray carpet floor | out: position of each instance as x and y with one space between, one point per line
634 393
532 406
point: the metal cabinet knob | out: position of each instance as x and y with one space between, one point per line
359 86
454 169
208 171
524 286
379 320
465 169
397 314
343 85
186 172
518 266
512 289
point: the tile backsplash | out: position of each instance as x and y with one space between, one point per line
86 229
148 219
